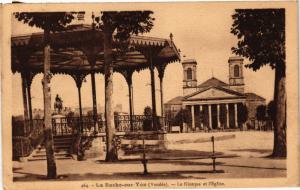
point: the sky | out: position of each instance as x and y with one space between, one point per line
200 32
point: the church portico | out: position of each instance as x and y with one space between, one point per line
214 116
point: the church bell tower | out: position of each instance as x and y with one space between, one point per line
236 78
189 76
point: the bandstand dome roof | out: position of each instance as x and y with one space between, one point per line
70 50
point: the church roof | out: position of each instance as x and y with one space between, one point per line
253 96
212 82
189 61
236 58
203 89
176 100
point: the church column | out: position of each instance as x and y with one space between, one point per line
193 117
227 118
218 115
235 116
209 116
201 115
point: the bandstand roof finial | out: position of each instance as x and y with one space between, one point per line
171 36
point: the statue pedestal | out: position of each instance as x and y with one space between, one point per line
58 117
60 125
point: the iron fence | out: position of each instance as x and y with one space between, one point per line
28 134
89 124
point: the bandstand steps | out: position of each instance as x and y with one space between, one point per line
41 155
62 145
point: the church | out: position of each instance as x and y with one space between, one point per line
215 104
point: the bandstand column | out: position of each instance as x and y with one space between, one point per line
209 116
235 116
161 96
193 116
227 118
132 100
29 78
154 114
218 115
80 130
91 52
94 98
128 77
80 107
78 79
130 105
25 98
130 95
29 103
161 71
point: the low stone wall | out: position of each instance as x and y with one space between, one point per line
98 146
97 149
147 135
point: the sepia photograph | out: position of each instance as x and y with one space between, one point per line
164 95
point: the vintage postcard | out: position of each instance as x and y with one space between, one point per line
150 95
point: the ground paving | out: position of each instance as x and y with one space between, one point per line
252 149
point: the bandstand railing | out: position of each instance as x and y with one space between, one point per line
27 135
88 125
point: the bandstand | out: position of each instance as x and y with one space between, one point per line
78 52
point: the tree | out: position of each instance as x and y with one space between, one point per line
123 24
260 114
242 114
49 22
271 111
183 116
261 39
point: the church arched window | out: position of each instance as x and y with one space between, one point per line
236 71
189 74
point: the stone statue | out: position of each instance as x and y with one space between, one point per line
58 104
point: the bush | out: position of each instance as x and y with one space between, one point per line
183 116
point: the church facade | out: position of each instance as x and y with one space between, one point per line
215 104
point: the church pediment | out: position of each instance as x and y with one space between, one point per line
214 93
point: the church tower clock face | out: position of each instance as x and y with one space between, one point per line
189 84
